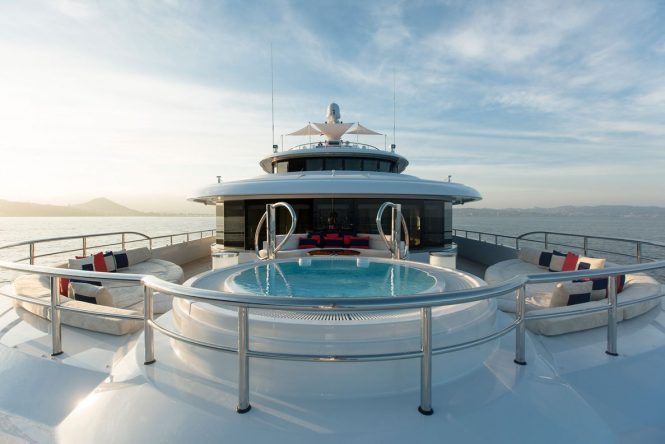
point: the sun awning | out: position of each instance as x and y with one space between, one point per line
333 131
359 129
309 130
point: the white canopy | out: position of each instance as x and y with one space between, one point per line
359 129
309 130
333 131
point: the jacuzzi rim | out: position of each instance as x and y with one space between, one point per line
228 271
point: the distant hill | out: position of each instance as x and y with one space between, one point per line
105 207
568 211
96 207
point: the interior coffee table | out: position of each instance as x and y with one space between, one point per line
334 252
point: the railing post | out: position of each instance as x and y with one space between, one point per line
612 317
271 227
586 246
638 253
56 328
496 239
187 237
150 243
32 253
171 240
243 361
396 235
148 330
520 330
85 245
517 243
546 242
123 241
425 406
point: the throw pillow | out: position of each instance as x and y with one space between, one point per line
571 293
570 264
558 258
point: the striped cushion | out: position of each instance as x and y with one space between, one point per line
90 293
86 264
571 293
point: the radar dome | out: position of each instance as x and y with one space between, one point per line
332 113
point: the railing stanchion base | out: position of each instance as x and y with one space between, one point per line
245 410
425 412
611 353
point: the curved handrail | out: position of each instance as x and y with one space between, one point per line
618 239
85 237
79 236
292 229
257 234
638 243
379 215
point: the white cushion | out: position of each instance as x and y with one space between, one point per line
530 255
556 264
138 255
110 261
594 263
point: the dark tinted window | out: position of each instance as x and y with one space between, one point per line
384 166
313 164
353 164
334 163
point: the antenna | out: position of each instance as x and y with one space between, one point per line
394 107
272 95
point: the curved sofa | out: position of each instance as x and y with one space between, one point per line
538 297
377 247
127 297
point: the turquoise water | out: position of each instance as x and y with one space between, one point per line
332 278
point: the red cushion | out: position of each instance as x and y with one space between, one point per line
98 262
332 236
570 264
64 286
347 240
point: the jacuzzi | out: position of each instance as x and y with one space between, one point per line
333 333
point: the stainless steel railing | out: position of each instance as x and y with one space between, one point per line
342 144
422 302
556 239
123 239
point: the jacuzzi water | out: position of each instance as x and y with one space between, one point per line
333 278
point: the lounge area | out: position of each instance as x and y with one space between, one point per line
113 297
570 296
333 243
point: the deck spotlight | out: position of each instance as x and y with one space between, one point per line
275 148
219 179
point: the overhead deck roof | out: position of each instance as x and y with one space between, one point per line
338 184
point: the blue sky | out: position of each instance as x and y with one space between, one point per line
532 103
